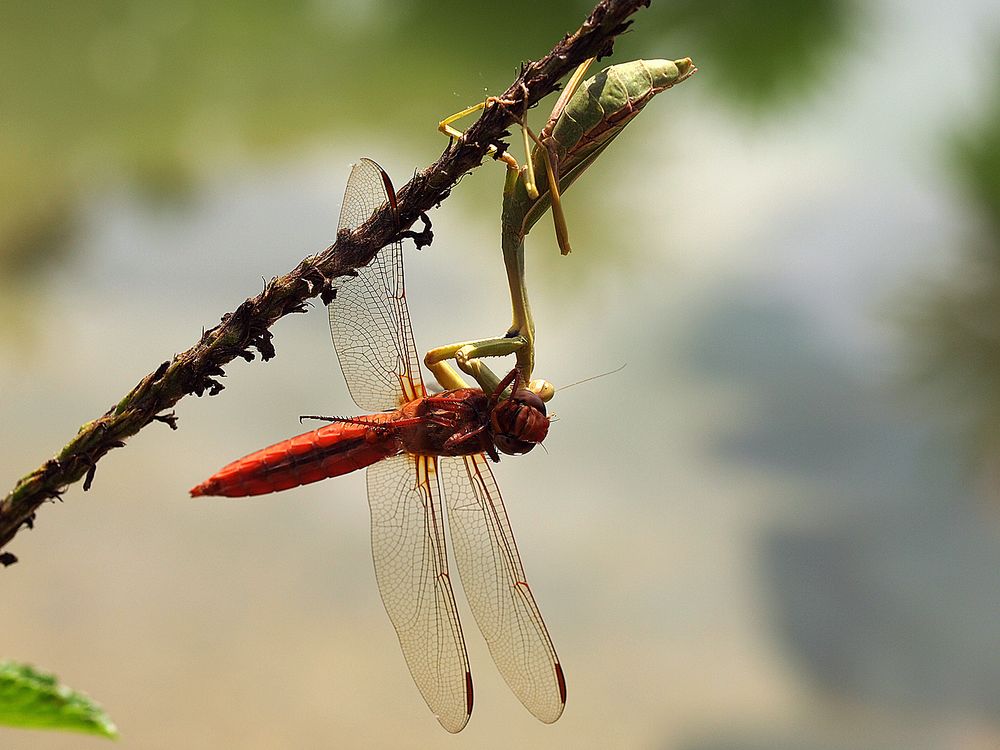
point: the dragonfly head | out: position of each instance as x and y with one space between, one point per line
519 422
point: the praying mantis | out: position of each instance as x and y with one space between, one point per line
588 115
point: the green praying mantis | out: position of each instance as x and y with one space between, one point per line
588 115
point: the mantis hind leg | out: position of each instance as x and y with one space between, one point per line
445 126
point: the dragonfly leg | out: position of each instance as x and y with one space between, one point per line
456 440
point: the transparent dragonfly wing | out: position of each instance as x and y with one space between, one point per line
371 332
368 318
495 585
412 572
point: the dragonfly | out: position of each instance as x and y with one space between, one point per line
423 452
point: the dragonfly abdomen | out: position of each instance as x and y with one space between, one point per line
332 450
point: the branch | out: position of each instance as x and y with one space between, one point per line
246 328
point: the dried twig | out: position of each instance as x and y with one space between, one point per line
244 332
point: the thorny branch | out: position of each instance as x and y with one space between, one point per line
244 330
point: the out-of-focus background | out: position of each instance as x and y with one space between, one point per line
777 528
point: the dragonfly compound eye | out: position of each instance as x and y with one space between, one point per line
529 399
519 423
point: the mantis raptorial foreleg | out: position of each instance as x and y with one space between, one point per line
468 355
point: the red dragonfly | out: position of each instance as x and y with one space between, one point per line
419 449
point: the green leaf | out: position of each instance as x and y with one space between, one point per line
36 700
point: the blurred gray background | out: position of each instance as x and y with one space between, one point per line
776 529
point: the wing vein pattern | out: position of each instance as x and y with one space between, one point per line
495 585
371 332
411 567
369 320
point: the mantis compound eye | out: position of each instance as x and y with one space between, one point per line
543 389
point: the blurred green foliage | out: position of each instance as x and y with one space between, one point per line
155 94
36 700
762 55
954 323
975 162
